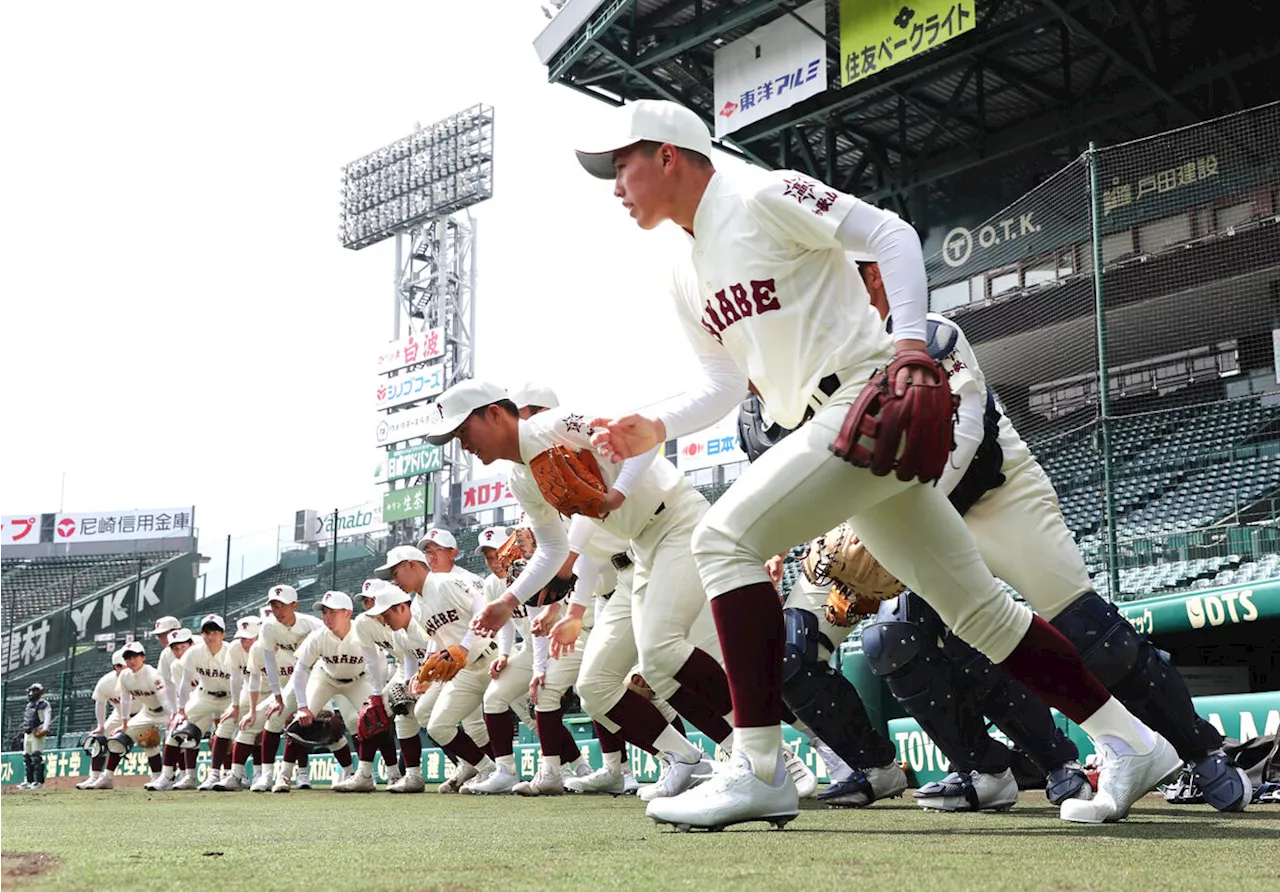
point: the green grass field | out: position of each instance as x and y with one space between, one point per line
131 839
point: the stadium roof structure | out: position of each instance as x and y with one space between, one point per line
991 111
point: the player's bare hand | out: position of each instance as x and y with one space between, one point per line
495 615
418 688
496 667
231 714
543 622
247 722
912 373
564 636
773 567
97 730
304 717
612 501
276 705
539 681
618 439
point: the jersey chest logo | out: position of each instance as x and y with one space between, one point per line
440 620
738 302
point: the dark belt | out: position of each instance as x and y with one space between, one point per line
218 693
622 560
662 506
341 680
827 387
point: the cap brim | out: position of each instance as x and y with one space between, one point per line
600 164
376 611
440 439
384 572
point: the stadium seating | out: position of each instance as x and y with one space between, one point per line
35 586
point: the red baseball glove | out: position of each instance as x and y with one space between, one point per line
373 718
911 434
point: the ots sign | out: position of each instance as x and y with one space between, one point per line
410 387
422 346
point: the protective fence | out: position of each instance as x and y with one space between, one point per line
1159 261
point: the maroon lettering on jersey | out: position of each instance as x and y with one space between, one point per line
212 673
734 305
440 620
344 659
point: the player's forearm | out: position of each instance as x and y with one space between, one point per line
126 704
184 688
100 712
588 570
273 671
896 248
632 469
722 388
377 666
167 699
300 675
541 651
506 638
48 719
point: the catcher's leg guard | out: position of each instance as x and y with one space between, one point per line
1020 714
37 767
902 648
1140 676
824 699
28 769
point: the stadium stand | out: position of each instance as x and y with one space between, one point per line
35 586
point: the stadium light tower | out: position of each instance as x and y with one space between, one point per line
413 190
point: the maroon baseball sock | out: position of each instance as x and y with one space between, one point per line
155 763
220 755
609 742
367 749
240 753
697 710
464 748
702 675
294 753
113 761
502 731
190 758
749 622
640 721
386 743
411 749
169 756
549 730
270 745
1048 666
569 749
343 756
97 763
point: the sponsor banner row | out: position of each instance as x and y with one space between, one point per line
420 346
397 427
409 503
412 461
411 387
100 526
716 445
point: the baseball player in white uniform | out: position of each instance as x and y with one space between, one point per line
106 695
773 305
180 641
281 639
651 506
451 597
164 628
233 774
139 684
342 661
254 721
201 705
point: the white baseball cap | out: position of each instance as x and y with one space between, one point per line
388 596
212 619
534 395
182 636
266 614
458 402
248 626
399 555
646 120
166 624
492 538
334 601
117 658
369 588
133 647
443 538
285 594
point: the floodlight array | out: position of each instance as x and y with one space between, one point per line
435 171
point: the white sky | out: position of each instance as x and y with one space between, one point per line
181 325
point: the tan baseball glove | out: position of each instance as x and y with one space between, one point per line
837 559
149 738
570 481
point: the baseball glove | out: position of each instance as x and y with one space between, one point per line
844 611
149 738
510 554
911 434
373 718
839 560
569 481
557 590
326 727
442 665
399 700
41 732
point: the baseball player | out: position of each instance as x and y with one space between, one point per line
180 641
244 738
198 706
1010 506
280 640
37 716
164 628
342 661
141 684
451 597
772 304
106 693
650 505
386 646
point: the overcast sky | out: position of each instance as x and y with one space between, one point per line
181 325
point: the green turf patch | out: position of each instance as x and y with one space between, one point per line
132 839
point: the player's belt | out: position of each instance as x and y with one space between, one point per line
485 651
622 560
826 389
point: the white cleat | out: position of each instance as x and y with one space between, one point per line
262 783
356 783
211 781
630 786
410 783
281 785
602 780
159 784
974 791
498 782
186 782
231 784
483 775
733 796
805 780
544 783
303 778
394 774
1122 781
86 784
104 781
676 777
464 773
35 785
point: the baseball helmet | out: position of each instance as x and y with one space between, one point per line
35 690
